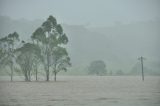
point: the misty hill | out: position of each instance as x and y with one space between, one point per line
119 46
24 27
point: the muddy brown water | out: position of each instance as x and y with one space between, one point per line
83 91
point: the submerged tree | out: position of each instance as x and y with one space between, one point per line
7 45
60 59
97 67
37 59
26 56
48 37
2 54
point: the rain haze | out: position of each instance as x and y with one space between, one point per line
93 13
103 42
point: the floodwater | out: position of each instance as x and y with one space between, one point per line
83 91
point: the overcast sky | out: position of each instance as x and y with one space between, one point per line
92 12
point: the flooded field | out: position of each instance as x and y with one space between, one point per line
83 91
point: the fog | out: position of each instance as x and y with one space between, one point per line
79 52
117 32
89 12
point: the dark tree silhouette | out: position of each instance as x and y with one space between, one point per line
97 67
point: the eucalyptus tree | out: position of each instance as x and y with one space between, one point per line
8 47
2 54
61 60
49 36
26 57
37 59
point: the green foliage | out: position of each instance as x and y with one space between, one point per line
61 59
52 20
2 54
27 55
50 33
50 38
39 35
7 49
29 48
97 67
47 50
63 39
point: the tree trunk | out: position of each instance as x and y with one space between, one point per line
29 75
55 75
26 76
47 66
12 51
55 70
47 75
11 72
36 74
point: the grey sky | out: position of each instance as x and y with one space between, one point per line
93 12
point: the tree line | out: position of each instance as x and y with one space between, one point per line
46 49
98 67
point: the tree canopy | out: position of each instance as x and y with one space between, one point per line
45 49
7 49
97 67
50 38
